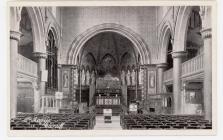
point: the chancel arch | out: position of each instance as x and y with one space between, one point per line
78 42
112 57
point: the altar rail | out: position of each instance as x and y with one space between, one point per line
26 66
103 100
189 68
48 103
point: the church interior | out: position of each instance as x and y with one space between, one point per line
128 67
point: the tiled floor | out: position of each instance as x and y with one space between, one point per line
100 125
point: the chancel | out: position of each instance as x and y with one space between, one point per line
146 67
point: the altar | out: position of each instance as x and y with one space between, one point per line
108 94
108 97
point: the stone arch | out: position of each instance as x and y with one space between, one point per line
165 33
36 19
81 39
88 60
90 57
127 59
15 17
180 34
55 29
107 56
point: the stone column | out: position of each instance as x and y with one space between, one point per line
53 102
14 39
46 101
206 16
124 94
160 69
207 36
43 102
59 82
41 68
36 97
177 101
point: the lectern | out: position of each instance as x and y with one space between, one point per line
107 115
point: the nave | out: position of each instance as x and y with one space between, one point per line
151 72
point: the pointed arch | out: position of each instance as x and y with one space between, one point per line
88 60
165 34
37 24
56 32
180 34
38 29
108 56
126 58
80 40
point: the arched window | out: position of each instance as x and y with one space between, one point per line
169 54
51 62
195 20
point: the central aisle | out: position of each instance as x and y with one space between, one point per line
100 125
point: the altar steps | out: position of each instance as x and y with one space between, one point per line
116 109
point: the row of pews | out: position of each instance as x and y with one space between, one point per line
143 121
59 121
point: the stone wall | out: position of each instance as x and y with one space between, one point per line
76 20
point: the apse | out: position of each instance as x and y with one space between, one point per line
108 53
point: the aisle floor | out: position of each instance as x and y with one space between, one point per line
100 125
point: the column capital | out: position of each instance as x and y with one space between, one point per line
161 65
144 66
40 55
178 54
59 66
15 35
206 33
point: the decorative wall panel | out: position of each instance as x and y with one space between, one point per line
151 81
